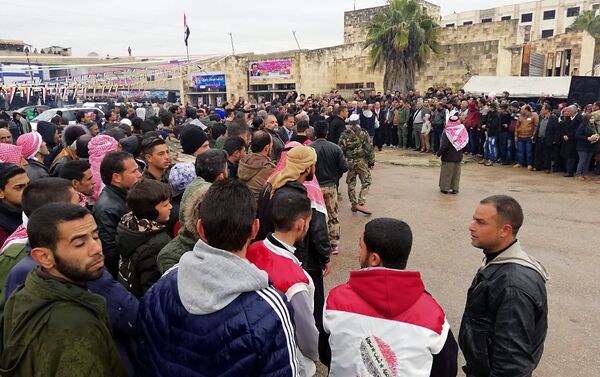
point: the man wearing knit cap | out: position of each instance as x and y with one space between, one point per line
33 150
314 251
193 142
359 152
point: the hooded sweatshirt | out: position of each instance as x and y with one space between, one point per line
224 320
383 323
55 328
254 170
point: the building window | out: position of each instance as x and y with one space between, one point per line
350 86
527 17
549 14
549 64
567 63
468 23
449 25
558 63
370 85
505 18
547 33
568 30
290 86
486 20
595 6
573 12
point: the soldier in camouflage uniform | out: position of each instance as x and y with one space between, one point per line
359 152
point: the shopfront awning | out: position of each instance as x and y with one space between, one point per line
523 87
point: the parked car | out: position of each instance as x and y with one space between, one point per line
30 112
67 112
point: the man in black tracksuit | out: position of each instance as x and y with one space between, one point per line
505 321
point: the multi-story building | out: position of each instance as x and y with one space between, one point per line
545 17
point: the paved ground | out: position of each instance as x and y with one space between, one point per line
562 229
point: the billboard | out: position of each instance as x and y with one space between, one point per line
271 69
209 81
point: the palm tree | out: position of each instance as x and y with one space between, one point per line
401 37
589 22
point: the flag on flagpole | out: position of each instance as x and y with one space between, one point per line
186 30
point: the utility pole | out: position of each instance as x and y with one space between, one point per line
354 4
297 44
232 49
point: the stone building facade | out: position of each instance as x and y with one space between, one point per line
546 18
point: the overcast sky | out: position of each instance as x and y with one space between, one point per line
156 27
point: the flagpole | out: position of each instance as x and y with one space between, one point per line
187 50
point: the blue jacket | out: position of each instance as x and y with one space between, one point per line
215 315
121 306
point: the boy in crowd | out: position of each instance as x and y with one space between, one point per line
275 255
142 233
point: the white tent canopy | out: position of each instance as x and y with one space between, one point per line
517 86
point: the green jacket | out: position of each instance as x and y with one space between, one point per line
356 145
188 218
54 328
8 259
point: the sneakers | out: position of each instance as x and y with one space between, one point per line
482 162
517 166
489 163
334 250
530 167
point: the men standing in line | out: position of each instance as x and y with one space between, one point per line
505 320
546 140
331 165
417 121
359 152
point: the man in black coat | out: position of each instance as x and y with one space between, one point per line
547 136
287 131
337 124
119 173
505 322
568 147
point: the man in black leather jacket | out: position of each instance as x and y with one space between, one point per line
119 173
331 165
505 320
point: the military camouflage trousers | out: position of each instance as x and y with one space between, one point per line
361 169
333 224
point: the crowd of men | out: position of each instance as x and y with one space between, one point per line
183 241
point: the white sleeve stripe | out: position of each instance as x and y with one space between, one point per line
289 335
286 314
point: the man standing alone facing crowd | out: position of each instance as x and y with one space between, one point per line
505 320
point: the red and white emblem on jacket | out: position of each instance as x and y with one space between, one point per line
378 357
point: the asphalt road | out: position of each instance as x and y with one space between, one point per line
561 229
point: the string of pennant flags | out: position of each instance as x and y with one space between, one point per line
100 84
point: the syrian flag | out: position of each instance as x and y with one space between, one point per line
186 30
12 90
